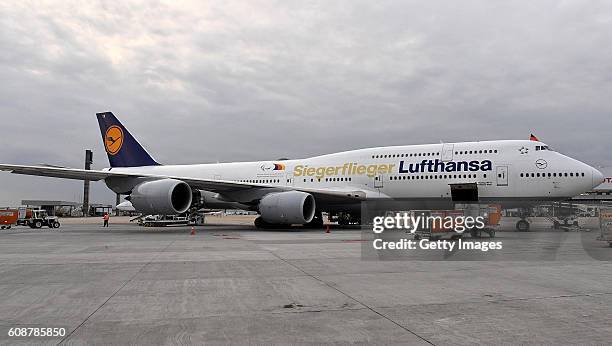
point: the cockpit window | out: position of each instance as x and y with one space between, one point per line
542 147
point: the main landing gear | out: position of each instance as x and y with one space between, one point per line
315 223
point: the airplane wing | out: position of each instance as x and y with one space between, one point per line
57 172
219 186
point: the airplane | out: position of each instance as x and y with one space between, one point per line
512 173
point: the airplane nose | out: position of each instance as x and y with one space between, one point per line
598 177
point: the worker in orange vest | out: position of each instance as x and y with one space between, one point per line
106 218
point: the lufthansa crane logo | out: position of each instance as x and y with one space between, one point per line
541 164
113 140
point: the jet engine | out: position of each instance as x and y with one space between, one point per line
164 197
290 207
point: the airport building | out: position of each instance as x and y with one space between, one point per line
65 208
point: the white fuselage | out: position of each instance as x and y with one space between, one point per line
502 170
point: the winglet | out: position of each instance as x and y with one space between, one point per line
122 148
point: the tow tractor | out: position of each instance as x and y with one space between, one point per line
36 218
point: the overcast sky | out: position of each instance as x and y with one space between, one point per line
254 80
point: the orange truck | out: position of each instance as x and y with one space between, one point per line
8 218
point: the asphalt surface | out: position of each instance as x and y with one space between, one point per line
234 284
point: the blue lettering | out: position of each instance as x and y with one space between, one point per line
486 165
439 166
474 166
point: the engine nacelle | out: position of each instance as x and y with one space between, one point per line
164 197
290 207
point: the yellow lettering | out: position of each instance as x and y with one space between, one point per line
297 170
372 170
320 172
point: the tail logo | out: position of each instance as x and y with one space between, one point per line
113 140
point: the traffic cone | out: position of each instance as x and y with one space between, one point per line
192 230
327 230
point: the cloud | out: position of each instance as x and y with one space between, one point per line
240 80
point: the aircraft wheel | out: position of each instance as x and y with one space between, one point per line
522 226
8 227
1 227
344 219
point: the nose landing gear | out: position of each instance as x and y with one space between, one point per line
522 225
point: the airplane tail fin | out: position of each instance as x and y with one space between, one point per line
122 148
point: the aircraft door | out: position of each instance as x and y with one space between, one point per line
378 181
447 152
502 175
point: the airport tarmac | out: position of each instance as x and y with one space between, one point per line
235 284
